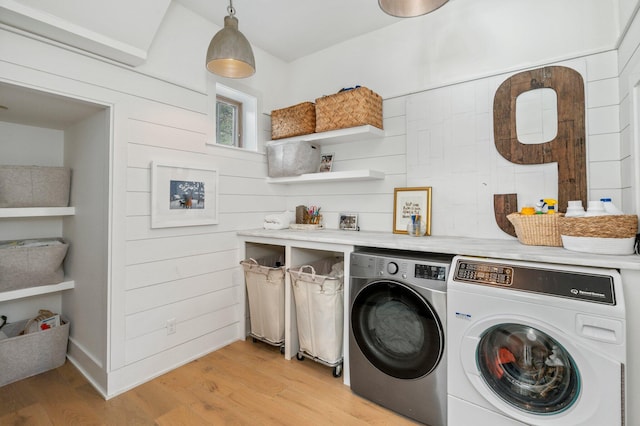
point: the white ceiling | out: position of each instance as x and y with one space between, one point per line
124 30
291 29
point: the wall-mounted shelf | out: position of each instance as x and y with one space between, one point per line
350 134
37 211
349 175
35 291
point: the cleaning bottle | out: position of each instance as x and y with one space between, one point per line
609 207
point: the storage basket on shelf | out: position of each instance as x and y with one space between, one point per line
537 229
606 234
34 186
295 120
319 300
292 158
349 108
264 279
31 263
23 356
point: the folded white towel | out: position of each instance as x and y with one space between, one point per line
278 221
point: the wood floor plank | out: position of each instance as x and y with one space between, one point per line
242 384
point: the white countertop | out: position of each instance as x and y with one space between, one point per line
495 248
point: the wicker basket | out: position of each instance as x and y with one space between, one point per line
606 226
296 120
607 234
350 108
538 229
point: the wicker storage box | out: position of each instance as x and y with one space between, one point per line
31 263
34 186
350 108
296 120
318 294
537 229
265 291
607 234
292 158
32 353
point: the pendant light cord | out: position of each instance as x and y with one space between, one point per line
231 10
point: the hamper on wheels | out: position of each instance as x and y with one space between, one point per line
319 300
264 279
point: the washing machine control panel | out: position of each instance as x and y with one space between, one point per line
484 273
430 272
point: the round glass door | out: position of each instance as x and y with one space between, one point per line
528 369
397 330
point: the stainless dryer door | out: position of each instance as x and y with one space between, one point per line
396 329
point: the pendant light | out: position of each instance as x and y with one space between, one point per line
229 53
409 8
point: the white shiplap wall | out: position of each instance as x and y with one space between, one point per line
371 200
450 146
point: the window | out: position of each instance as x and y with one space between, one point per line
236 118
228 122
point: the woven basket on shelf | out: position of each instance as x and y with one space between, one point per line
295 120
606 226
538 229
349 108
607 234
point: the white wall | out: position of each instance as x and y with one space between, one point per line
47 148
462 41
187 273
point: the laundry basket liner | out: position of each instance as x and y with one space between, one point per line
319 298
265 291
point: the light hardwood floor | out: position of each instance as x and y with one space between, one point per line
244 383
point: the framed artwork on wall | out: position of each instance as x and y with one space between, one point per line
183 195
410 206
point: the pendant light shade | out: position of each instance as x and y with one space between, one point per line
229 53
409 8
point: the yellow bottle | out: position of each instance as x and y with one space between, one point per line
551 203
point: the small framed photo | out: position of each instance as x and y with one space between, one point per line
326 162
348 222
411 204
183 195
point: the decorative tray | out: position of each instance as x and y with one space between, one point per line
305 227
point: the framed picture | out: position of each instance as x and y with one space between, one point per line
411 204
183 195
348 222
326 162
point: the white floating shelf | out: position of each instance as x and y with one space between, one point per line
339 136
37 211
350 175
35 291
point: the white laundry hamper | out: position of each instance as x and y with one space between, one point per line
319 298
264 279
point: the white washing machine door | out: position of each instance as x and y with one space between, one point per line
534 373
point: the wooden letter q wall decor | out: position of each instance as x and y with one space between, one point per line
567 149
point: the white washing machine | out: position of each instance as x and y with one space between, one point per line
534 344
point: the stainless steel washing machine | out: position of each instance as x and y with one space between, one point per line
397 351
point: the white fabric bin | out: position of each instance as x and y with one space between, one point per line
33 353
319 297
265 290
